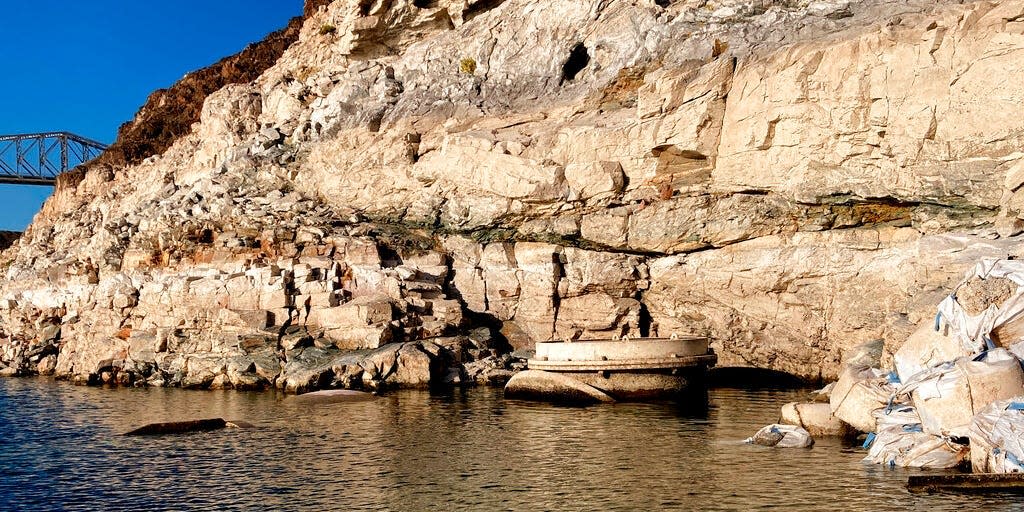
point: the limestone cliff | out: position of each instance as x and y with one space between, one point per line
792 178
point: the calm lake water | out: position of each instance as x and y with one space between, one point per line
61 448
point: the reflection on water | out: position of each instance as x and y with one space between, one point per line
60 448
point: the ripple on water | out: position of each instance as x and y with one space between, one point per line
61 448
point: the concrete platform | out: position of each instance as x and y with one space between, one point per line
635 349
632 369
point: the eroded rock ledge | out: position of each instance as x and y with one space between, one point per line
791 178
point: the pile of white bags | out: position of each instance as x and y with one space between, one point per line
949 395
959 375
956 381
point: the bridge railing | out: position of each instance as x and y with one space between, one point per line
37 158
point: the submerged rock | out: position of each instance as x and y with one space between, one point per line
328 396
179 427
551 386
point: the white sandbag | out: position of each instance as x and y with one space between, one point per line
816 418
973 331
948 396
857 394
924 349
781 436
898 416
997 438
910 448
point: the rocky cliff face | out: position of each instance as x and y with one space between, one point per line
792 178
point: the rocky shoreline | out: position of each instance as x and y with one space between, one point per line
359 193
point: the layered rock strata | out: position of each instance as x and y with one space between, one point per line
790 178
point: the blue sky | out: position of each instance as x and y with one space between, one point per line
87 66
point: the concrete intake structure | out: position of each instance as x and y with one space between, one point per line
627 369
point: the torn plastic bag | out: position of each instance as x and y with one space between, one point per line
926 348
865 355
974 332
781 436
898 417
907 446
823 394
948 396
857 394
997 438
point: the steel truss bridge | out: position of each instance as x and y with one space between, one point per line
37 158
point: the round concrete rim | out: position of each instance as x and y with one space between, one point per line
707 360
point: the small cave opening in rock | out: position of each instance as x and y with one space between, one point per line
206 236
425 4
389 258
577 61
662 3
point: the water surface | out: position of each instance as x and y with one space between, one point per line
61 448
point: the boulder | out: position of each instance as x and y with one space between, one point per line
550 386
200 371
414 368
362 323
595 180
306 370
361 311
857 395
816 418
406 365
